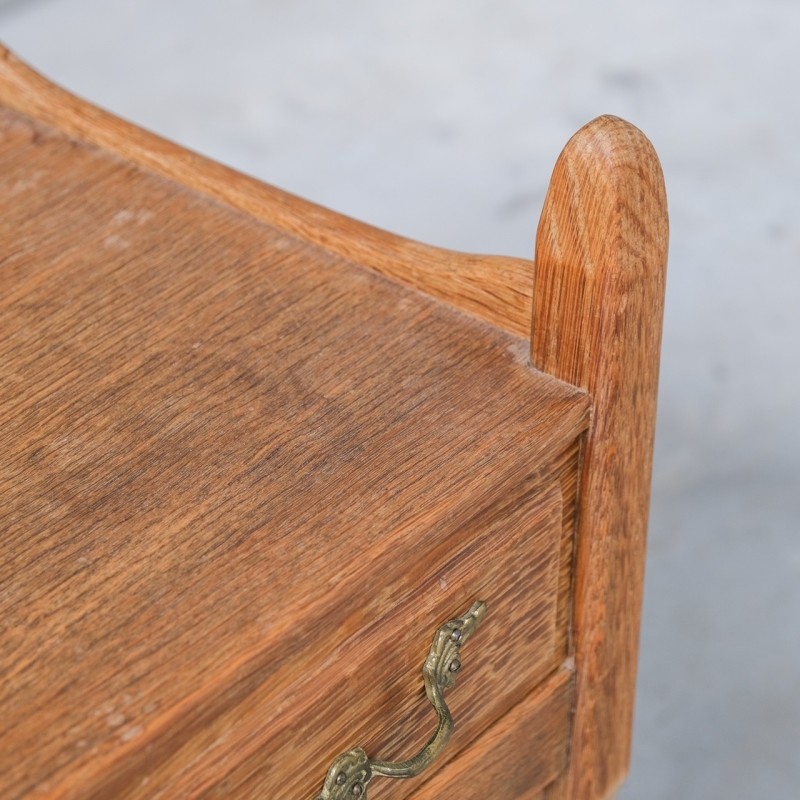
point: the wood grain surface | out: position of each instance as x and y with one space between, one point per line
248 459
376 699
496 289
243 479
598 301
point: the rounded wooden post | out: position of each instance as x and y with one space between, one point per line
597 312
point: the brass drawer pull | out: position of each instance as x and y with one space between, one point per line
351 772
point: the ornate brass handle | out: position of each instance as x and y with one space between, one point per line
352 771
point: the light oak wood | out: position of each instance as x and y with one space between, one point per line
496 289
601 256
252 454
244 480
364 702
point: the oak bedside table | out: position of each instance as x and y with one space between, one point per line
260 463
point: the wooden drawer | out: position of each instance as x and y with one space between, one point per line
251 461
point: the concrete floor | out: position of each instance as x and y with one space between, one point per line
441 120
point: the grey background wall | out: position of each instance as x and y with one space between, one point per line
441 120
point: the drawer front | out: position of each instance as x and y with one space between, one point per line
349 673
370 691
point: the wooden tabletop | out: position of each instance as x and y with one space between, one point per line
209 427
